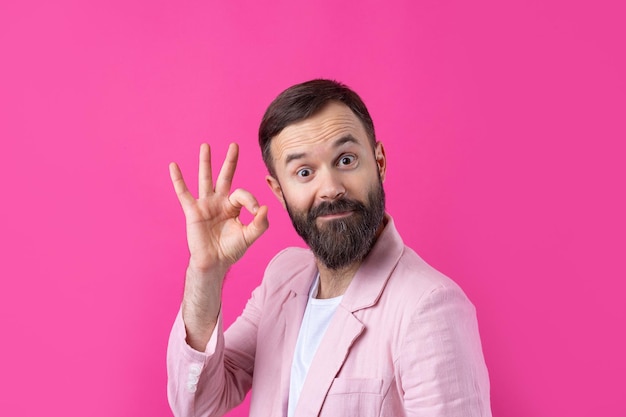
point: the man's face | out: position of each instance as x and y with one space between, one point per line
329 179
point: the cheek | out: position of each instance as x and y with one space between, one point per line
298 199
362 184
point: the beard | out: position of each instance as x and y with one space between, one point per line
339 243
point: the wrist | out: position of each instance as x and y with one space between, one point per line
203 294
207 270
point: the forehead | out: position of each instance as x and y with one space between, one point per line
333 122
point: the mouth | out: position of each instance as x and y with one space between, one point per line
334 216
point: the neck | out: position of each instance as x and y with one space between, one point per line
335 282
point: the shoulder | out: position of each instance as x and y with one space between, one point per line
427 305
416 282
406 271
289 266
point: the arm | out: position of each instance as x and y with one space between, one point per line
441 365
216 239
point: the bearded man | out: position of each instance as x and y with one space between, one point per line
359 325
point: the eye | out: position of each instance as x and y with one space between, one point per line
346 160
304 172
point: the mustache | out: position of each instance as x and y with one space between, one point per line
333 207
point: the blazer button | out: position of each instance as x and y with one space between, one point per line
193 379
191 387
195 369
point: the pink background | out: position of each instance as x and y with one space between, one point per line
504 124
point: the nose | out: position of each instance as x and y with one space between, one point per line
331 186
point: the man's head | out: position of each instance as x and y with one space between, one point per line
326 168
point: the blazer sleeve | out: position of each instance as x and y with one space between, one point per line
441 366
210 383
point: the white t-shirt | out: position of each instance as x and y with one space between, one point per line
317 317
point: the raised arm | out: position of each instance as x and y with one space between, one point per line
216 238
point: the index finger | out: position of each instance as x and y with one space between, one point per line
225 177
183 194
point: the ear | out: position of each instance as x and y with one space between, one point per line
381 160
276 189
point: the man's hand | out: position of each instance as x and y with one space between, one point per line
216 238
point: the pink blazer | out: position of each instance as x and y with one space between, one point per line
403 342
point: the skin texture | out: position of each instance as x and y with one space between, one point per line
322 158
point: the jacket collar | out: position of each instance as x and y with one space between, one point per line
370 280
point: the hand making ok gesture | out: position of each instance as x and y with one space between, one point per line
216 238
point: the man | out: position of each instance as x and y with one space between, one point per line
359 325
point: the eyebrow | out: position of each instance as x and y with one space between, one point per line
338 143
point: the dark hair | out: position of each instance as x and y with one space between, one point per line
302 101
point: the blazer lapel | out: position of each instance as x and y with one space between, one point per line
290 320
330 356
